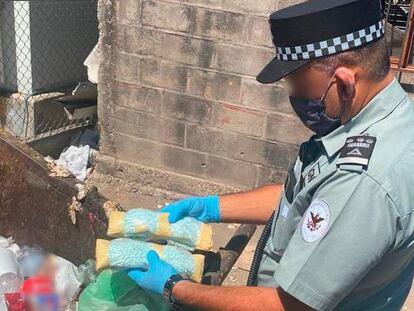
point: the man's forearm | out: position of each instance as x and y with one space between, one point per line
214 298
255 206
209 298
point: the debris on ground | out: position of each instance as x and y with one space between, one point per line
56 170
74 207
82 191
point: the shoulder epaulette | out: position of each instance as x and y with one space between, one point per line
357 150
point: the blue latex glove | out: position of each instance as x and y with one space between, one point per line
205 209
157 275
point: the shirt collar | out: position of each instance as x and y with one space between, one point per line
376 110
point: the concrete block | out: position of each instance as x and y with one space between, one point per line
187 50
285 3
270 175
242 59
151 127
187 108
174 47
238 147
271 97
128 10
138 40
137 97
165 15
214 85
231 172
124 127
238 119
137 150
258 32
262 7
183 161
127 67
287 129
220 25
159 129
126 115
164 74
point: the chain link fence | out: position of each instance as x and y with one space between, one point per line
43 45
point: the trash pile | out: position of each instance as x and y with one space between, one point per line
33 280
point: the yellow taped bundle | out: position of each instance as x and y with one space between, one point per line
149 225
129 253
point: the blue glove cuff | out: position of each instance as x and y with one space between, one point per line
212 204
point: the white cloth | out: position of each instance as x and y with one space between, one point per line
75 159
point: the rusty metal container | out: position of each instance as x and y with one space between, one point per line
34 210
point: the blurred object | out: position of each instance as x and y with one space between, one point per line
39 294
10 281
31 260
113 290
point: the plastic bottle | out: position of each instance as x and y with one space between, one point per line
10 282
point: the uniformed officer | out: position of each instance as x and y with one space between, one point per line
342 236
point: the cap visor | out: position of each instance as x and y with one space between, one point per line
278 69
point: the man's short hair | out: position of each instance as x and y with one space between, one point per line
374 58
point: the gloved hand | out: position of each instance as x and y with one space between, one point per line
205 209
157 275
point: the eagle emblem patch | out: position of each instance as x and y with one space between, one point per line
316 220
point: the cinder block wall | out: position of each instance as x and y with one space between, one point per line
178 92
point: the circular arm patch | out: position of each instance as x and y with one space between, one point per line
316 220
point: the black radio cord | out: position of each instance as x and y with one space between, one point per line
258 253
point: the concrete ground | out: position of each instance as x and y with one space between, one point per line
130 195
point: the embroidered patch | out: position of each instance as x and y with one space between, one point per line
357 150
311 174
316 220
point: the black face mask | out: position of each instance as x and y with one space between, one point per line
312 113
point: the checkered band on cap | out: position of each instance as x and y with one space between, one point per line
332 46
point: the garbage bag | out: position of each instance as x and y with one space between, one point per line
113 290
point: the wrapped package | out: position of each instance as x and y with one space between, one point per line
148 225
129 253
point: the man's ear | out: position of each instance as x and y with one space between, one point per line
346 79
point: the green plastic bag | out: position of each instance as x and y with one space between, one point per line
113 290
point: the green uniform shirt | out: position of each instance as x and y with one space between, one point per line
343 235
